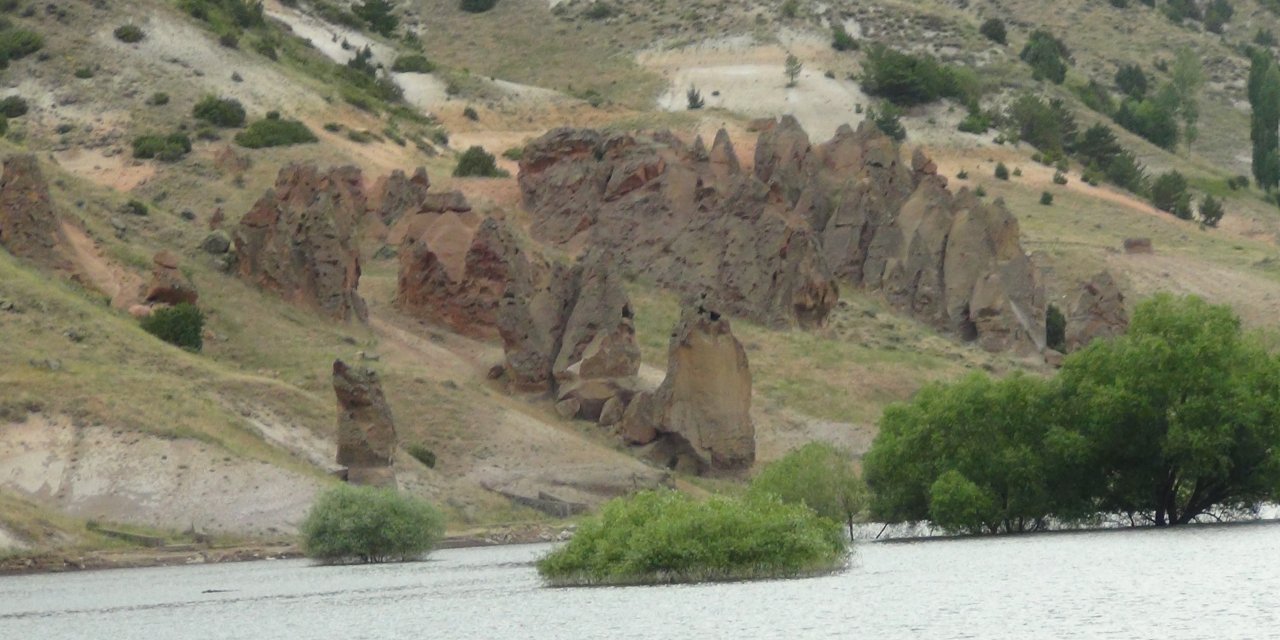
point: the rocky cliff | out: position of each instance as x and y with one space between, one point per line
366 430
29 226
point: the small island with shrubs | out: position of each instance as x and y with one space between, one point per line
666 537
361 525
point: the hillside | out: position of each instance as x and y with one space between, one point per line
102 422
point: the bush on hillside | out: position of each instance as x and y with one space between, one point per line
1047 55
477 6
377 14
661 537
129 33
841 40
888 119
1046 198
1211 210
158 99
1131 81
1055 328
16 44
274 132
424 455
368 524
13 107
906 79
167 148
994 30
819 476
476 162
222 112
1169 193
412 63
1002 172
181 325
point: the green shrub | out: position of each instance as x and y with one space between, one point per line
976 122
600 10
514 154
129 33
470 113
137 208
221 112
981 191
1002 172
1126 172
667 537
477 6
790 9
1155 120
1211 211
377 14
367 524
266 47
905 79
887 119
158 99
841 40
993 29
1059 178
16 44
1131 81
476 162
168 148
274 133
693 98
1055 328
819 476
84 73
1169 193
962 175
424 455
13 107
412 63
181 325
1046 198
4 124
1047 55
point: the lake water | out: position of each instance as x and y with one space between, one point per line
1201 582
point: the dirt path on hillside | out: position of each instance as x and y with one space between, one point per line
124 287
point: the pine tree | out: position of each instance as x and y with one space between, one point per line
1264 97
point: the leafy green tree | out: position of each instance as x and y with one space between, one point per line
368 524
1055 328
476 162
1187 78
906 79
819 476
977 455
1182 413
1047 55
1264 125
1211 210
1153 119
994 30
222 112
377 14
1169 193
793 68
888 119
1131 81
181 325
1047 125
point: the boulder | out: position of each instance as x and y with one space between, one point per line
29 226
1097 311
366 431
299 241
216 243
169 285
704 403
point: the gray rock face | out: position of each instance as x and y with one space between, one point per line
299 240
366 431
704 403
770 244
1097 311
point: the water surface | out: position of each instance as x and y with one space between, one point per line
1201 582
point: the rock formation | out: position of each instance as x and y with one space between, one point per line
1097 311
169 285
457 276
703 405
572 334
366 432
29 227
299 240
770 243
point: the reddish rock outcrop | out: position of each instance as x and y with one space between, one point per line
771 243
366 430
1097 311
704 404
299 240
29 227
396 195
457 276
169 285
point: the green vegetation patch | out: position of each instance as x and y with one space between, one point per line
412 63
476 162
181 325
351 524
275 132
663 537
222 112
167 148
819 476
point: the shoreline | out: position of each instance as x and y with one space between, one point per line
71 560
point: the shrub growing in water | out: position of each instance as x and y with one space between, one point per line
368 524
667 537
476 162
223 112
274 132
819 476
181 325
